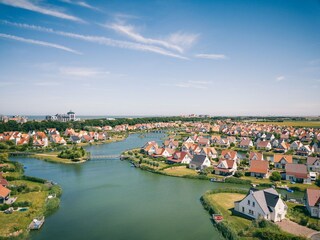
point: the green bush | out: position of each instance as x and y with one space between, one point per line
238 174
52 205
275 176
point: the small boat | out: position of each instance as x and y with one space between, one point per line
289 190
217 217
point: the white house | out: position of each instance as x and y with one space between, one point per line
226 167
265 204
199 162
313 164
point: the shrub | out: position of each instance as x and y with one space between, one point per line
238 174
275 176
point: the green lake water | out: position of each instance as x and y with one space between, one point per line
109 199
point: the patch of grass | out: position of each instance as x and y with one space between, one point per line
180 171
224 202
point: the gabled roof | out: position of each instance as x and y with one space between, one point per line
259 167
198 159
267 199
312 160
277 158
298 170
256 156
4 192
313 197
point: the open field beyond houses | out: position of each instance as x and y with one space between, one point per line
315 124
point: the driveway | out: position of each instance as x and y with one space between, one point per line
296 229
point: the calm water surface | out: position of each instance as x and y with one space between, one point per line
108 199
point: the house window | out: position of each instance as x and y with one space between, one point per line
243 209
253 204
248 202
251 212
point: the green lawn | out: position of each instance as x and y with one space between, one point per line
180 171
224 202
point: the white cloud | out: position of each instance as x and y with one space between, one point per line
40 43
280 78
185 40
131 32
27 4
82 72
101 40
81 4
191 84
211 56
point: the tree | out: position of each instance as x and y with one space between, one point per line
4 157
275 176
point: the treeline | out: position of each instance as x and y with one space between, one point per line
61 126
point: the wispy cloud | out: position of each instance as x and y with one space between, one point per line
81 4
101 40
191 84
82 72
211 56
46 10
177 41
37 42
185 40
280 78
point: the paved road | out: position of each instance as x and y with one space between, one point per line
296 229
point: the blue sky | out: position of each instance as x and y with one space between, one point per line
160 57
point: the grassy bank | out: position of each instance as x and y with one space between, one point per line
31 193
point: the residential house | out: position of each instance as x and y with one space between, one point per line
256 156
75 139
209 152
204 142
297 173
282 147
180 157
230 155
223 142
295 145
150 147
259 169
199 162
316 147
164 152
246 143
313 164
280 160
4 194
266 204
312 202
188 140
87 138
264 145
171 144
226 167
305 150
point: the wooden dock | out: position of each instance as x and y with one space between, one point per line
36 223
